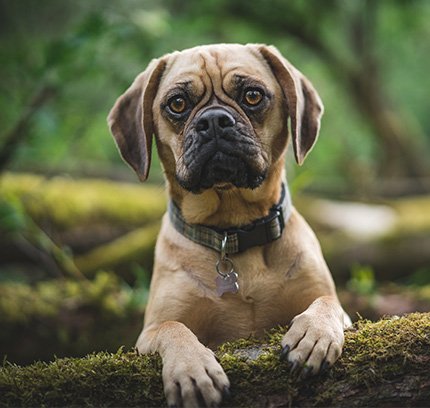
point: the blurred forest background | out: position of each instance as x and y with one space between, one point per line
76 229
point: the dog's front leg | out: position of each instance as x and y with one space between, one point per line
315 337
192 376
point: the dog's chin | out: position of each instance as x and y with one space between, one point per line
223 172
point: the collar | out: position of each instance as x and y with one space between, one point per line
260 232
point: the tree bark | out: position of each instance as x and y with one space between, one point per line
410 390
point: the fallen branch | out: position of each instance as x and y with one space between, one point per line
386 363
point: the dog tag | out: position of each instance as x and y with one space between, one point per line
227 283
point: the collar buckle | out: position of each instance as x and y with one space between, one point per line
262 231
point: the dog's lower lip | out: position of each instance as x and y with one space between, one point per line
223 186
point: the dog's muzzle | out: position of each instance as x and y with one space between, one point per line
220 150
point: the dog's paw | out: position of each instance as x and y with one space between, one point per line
194 378
314 339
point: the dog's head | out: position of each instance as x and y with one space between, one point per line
219 115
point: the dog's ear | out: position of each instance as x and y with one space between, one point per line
130 120
304 104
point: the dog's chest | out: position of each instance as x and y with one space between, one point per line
259 305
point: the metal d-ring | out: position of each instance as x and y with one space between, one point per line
224 246
226 259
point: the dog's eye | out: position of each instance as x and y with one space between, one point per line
253 97
177 104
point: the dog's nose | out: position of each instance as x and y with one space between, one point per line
214 120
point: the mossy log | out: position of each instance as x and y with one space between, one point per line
106 224
69 317
385 363
64 203
137 246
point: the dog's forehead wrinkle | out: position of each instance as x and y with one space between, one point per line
181 87
183 68
219 66
220 70
250 80
184 84
209 80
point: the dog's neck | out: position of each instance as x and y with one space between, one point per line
230 208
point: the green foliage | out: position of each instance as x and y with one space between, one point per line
89 53
138 294
420 278
362 280
13 217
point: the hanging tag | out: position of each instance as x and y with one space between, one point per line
226 282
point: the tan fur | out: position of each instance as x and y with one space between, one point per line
281 282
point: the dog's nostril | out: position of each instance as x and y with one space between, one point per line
202 125
226 120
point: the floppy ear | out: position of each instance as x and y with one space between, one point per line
131 122
304 104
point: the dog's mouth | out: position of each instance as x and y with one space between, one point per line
225 170
220 151
222 171
221 166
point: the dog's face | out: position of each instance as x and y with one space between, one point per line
223 107
219 114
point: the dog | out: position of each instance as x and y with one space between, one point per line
233 256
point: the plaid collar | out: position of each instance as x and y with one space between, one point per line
260 232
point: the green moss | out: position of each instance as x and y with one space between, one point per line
373 353
378 352
103 379
68 203
398 340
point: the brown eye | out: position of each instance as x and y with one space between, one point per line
177 104
253 97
